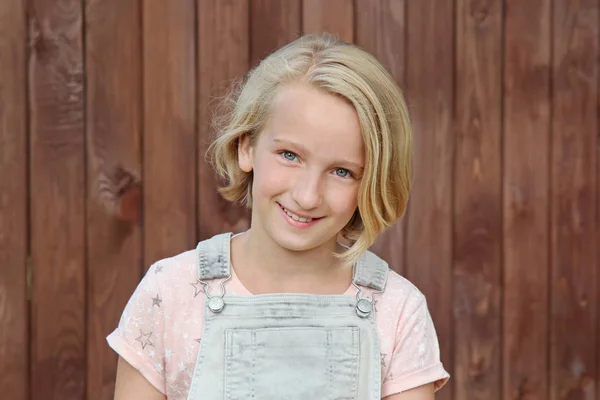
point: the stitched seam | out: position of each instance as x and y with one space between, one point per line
330 372
357 362
226 253
227 366
253 363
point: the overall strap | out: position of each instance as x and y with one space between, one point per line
371 271
213 257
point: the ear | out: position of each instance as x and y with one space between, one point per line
245 154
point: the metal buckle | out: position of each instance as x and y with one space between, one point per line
216 304
364 305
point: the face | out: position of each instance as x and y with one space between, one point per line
307 165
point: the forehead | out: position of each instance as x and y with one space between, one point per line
326 124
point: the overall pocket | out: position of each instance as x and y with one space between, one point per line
292 363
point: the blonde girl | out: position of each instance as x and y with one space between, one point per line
317 144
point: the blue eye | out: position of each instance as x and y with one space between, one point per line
288 155
342 173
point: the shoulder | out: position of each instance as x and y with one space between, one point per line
184 266
401 290
168 282
398 291
400 299
179 273
171 273
180 266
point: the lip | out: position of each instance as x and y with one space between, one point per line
298 224
296 213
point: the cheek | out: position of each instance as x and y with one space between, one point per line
269 176
344 200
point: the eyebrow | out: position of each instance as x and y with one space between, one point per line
303 148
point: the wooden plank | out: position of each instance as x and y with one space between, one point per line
273 23
381 30
113 76
525 194
57 200
477 251
14 355
332 16
222 59
574 306
429 79
169 142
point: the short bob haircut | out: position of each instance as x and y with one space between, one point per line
341 69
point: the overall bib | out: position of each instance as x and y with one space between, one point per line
287 346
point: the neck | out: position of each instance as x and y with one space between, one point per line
264 266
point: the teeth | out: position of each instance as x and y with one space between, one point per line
297 218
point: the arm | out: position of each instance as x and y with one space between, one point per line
414 371
131 385
139 343
424 392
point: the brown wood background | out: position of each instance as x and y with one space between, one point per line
502 233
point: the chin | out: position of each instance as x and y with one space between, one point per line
300 241
295 243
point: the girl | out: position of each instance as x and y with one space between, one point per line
317 144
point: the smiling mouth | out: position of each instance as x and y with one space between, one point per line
296 217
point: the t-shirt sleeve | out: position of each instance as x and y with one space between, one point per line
139 337
415 359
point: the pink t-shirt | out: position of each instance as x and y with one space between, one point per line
161 328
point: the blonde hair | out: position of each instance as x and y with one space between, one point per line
341 69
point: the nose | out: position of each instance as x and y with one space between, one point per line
307 190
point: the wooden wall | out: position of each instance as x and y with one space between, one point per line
502 233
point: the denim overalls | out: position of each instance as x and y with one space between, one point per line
287 346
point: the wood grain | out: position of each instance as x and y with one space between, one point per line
273 23
223 59
169 138
429 79
477 269
332 16
57 200
14 309
574 158
113 76
525 195
381 30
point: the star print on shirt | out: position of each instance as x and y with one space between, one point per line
197 287
388 377
144 339
383 363
156 300
137 320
